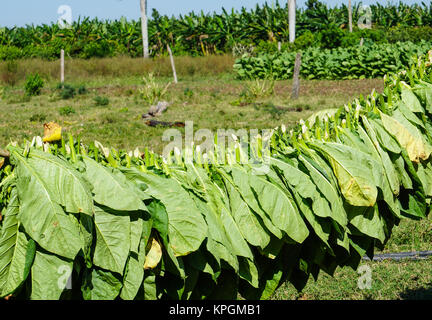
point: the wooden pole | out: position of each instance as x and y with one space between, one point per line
296 78
172 64
350 21
144 28
62 67
292 19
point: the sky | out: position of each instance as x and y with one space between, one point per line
22 12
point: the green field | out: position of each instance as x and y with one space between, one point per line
211 101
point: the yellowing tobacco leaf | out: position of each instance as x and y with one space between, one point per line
52 132
355 171
412 141
154 255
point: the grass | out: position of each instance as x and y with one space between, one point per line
390 280
210 96
207 102
119 67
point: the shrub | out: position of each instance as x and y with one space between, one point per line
11 53
305 41
331 38
34 84
101 101
188 93
259 88
97 49
82 89
66 91
152 92
65 111
38 117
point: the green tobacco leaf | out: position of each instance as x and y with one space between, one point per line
217 201
368 221
16 252
50 276
133 279
329 192
353 170
241 181
250 225
136 230
218 243
112 240
65 184
411 101
277 205
248 271
382 171
424 91
387 141
101 285
42 216
402 173
389 168
135 266
159 218
187 228
150 290
307 187
112 189
424 172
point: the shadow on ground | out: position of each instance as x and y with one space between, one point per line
424 293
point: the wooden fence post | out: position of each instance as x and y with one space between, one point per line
62 67
296 78
172 64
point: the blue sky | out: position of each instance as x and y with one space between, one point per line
21 12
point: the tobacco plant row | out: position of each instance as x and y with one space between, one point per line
90 222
